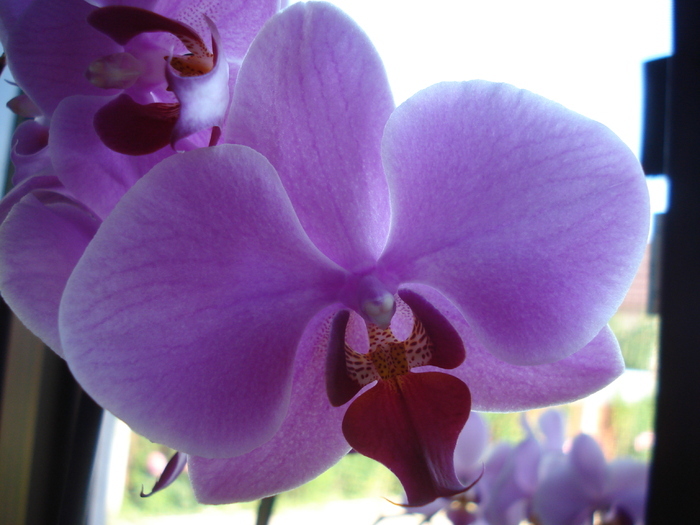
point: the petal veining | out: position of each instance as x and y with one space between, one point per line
531 218
206 268
312 96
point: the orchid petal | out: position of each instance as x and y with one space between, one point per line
471 445
172 470
39 247
205 266
503 387
127 127
44 182
589 463
312 96
10 12
551 424
143 4
626 474
500 386
497 459
50 49
95 174
514 483
30 154
411 424
627 486
308 442
561 500
524 214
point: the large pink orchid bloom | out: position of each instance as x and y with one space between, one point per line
469 245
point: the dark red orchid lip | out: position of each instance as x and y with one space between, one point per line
135 129
408 421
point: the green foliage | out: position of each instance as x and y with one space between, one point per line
631 419
504 426
355 476
639 339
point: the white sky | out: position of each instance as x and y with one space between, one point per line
587 55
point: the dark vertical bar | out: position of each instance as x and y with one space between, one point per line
675 472
654 134
85 430
48 435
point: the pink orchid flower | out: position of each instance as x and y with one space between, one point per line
582 485
464 249
174 62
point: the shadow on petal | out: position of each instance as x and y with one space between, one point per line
135 129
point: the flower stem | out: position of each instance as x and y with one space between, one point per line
265 510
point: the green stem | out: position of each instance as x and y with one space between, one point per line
265 510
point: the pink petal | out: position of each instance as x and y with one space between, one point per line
503 387
95 174
44 182
627 485
312 96
411 424
552 425
10 12
533 219
560 500
308 442
591 469
50 49
470 448
30 154
184 314
172 470
39 247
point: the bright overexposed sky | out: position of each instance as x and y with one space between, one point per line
587 55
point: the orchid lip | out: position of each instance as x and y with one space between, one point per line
407 421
